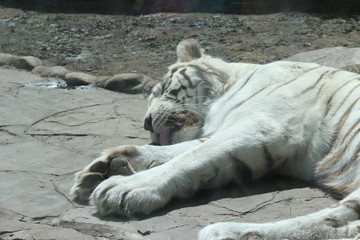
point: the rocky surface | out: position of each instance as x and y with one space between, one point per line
49 131
45 135
338 57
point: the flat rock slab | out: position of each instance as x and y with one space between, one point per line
337 57
47 134
32 195
11 229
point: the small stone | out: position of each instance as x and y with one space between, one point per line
6 58
79 78
27 62
128 83
55 71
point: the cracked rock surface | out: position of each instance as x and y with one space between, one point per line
47 134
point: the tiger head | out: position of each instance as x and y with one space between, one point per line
178 105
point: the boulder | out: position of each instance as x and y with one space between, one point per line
55 71
39 69
129 83
26 62
79 78
5 58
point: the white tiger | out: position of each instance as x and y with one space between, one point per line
230 122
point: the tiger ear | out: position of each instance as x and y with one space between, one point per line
188 50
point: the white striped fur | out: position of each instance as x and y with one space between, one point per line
230 122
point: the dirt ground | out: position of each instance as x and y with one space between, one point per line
112 44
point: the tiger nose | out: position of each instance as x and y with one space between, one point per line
148 124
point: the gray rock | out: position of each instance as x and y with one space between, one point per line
100 81
27 62
39 69
60 234
129 83
59 163
337 57
79 78
56 71
5 58
42 199
14 229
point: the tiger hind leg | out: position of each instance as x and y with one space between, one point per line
337 222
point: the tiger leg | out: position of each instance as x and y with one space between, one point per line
213 163
339 221
124 160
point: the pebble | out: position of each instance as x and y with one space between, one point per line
27 62
79 78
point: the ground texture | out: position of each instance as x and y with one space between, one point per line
109 44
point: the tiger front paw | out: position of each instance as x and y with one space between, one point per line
141 193
113 162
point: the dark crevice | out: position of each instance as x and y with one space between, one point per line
60 134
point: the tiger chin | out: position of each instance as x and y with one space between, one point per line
219 123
